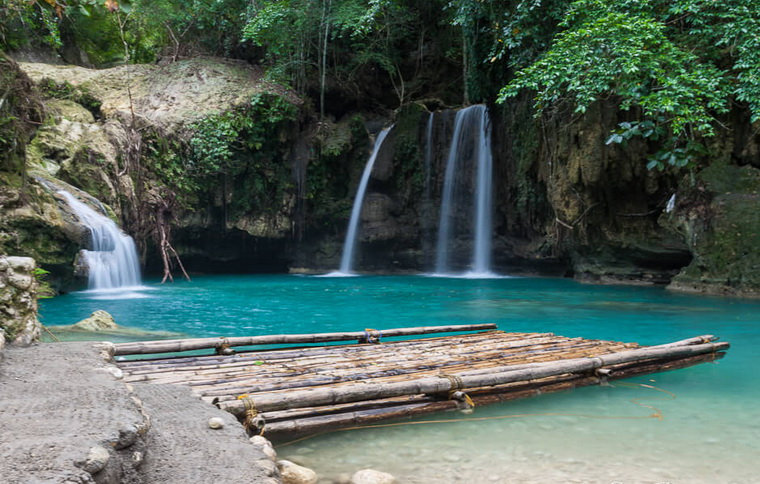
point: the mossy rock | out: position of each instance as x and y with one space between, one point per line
724 232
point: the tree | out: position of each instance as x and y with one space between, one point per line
680 63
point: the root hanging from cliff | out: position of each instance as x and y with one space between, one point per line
164 245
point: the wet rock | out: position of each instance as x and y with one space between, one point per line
264 446
98 321
371 476
292 473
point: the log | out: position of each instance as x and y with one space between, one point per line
279 429
171 346
501 375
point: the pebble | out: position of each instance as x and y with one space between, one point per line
215 423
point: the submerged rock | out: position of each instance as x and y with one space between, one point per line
292 473
98 321
371 476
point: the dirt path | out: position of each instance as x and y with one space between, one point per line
65 418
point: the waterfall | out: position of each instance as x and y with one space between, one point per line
349 245
428 155
471 123
112 262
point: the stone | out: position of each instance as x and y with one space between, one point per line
98 321
267 466
264 446
96 460
2 342
21 264
128 435
215 423
292 473
20 281
3 263
371 476
29 331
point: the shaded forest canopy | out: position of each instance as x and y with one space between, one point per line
601 112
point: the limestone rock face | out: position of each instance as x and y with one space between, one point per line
98 321
18 301
720 221
294 474
371 476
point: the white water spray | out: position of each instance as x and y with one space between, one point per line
112 262
473 119
349 246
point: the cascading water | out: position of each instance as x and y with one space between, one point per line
112 262
347 260
470 123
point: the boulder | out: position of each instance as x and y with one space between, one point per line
21 264
292 473
98 321
18 301
264 446
371 476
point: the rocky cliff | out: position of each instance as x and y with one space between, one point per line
245 179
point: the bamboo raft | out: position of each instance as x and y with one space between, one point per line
292 391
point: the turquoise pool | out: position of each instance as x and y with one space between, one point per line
710 425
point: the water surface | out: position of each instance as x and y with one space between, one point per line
700 424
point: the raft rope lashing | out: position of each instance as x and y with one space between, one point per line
224 348
252 418
371 336
456 393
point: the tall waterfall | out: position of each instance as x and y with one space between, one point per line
346 262
471 142
112 262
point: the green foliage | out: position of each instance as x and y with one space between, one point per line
22 20
218 139
44 291
677 63
246 146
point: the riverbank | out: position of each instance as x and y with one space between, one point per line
67 417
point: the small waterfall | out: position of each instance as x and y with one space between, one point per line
470 123
349 245
112 262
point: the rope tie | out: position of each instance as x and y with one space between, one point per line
223 348
371 336
252 418
455 380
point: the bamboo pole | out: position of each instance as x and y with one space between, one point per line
170 346
278 428
501 375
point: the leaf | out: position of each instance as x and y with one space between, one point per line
614 138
